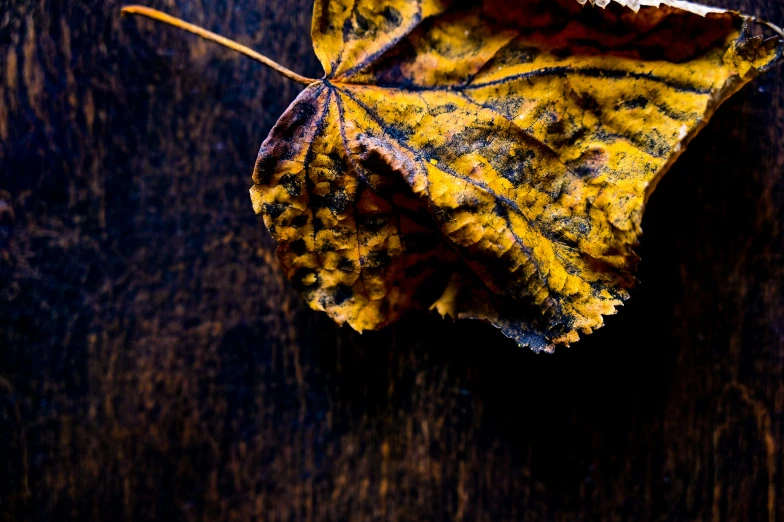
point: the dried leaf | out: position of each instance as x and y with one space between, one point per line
491 159
505 150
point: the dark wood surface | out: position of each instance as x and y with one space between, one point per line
155 366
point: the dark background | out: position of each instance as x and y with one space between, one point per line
155 365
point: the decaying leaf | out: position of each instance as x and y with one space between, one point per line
489 159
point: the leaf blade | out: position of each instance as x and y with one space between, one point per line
517 139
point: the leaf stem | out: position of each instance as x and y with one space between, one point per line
208 35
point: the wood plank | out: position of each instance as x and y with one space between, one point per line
155 366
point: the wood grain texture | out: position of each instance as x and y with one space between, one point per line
154 365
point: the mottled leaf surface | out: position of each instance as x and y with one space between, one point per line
488 159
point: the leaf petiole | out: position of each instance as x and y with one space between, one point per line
208 35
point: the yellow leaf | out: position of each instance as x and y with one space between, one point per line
492 159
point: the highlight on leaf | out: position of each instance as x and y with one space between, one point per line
489 159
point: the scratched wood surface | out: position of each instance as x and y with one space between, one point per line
155 366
